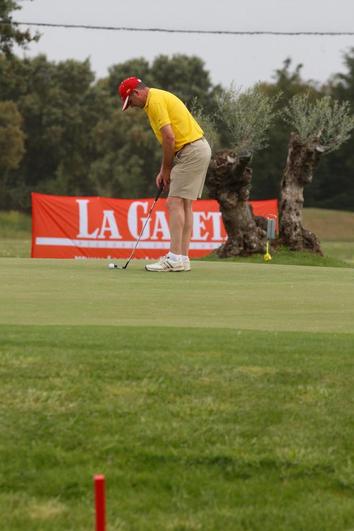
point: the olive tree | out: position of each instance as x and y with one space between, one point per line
319 127
244 118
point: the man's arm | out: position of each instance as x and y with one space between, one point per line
168 153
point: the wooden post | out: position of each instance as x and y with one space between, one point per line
100 502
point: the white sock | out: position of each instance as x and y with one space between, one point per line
175 257
184 258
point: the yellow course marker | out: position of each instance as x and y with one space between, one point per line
267 257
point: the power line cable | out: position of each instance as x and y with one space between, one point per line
185 31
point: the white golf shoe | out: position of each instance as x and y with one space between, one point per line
165 265
187 264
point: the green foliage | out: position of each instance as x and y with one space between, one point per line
342 84
11 136
334 184
12 140
127 156
183 75
139 67
90 146
60 107
207 123
77 140
9 32
326 120
247 116
269 163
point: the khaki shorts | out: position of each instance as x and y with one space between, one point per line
190 169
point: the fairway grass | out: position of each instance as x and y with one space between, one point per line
220 399
193 428
329 225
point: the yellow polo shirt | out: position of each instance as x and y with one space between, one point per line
163 108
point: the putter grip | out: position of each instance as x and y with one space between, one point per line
159 192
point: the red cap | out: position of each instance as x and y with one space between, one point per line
125 89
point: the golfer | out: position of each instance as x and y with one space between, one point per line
185 160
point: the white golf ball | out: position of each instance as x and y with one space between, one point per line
111 265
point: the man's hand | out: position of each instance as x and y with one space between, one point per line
163 180
168 153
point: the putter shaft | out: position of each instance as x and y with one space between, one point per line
142 231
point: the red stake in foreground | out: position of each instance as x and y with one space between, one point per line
100 502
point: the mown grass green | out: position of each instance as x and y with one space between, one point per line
216 295
219 399
193 428
216 399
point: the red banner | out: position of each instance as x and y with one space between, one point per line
96 227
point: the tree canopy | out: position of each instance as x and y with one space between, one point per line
76 139
11 136
10 34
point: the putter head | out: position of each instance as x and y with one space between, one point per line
114 266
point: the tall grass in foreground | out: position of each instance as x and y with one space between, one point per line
15 225
193 428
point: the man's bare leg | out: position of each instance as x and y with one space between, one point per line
176 222
188 226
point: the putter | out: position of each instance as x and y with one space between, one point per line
116 266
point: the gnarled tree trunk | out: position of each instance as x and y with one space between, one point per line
300 165
229 182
